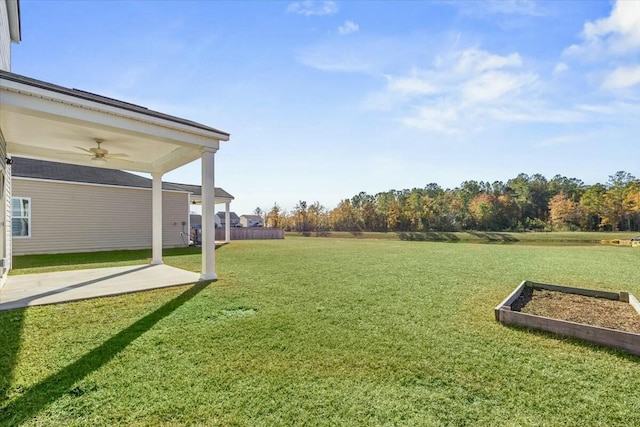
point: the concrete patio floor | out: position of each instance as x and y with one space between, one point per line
63 286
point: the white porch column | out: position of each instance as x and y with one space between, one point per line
208 216
156 215
227 223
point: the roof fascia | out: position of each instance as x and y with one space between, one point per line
93 184
42 99
13 10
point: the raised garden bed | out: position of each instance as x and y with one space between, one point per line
606 318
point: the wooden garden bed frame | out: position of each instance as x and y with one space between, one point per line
627 341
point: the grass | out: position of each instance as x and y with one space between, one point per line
28 264
325 332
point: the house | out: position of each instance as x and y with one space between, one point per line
58 207
44 121
234 219
251 221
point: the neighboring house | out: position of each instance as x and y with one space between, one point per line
41 120
251 221
234 220
59 207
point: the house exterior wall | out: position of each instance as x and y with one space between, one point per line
5 194
8 247
78 217
5 38
250 221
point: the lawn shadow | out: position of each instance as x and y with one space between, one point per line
47 391
595 347
11 326
494 237
428 236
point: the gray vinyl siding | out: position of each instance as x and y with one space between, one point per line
5 38
74 217
5 217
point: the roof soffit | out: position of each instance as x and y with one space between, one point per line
48 125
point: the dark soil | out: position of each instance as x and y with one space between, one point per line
578 308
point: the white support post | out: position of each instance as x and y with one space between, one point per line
156 218
227 223
208 216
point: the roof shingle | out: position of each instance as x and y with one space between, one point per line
42 169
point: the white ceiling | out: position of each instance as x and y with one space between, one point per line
44 124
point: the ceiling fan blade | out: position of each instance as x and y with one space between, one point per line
84 149
117 155
68 153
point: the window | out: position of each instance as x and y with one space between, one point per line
21 217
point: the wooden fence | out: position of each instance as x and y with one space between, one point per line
251 233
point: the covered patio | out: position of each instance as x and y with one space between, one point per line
44 121
64 286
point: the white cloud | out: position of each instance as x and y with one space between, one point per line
622 77
560 68
532 110
559 140
475 60
514 7
348 27
493 86
327 59
439 118
310 8
412 85
616 35
401 90
503 9
461 93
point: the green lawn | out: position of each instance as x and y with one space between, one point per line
560 237
324 332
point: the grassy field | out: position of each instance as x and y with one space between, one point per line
324 332
545 238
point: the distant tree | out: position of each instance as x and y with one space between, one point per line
591 207
507 212
394 215
563 212
275 217
539 196
522 203
344 217
483 208
371 220
430 212
317 217
614 213
299 218
519 188
413 210
631 205
433 190
571 187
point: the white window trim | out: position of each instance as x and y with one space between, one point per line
28 236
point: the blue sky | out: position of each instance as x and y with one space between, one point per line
326 99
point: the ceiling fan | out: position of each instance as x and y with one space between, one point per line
99 155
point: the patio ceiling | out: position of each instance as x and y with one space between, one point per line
45 121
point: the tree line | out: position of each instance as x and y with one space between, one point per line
522 203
